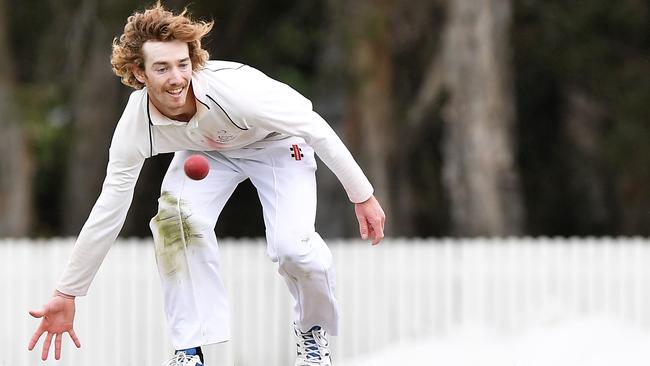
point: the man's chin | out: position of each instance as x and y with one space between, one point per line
177 101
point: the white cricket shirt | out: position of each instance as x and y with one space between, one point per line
238 106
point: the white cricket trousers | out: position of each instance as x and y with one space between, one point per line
186 247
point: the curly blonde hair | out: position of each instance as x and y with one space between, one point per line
156 24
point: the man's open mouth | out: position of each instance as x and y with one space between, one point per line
175 92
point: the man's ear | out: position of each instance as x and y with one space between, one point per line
139 74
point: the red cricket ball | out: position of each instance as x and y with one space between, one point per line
196 167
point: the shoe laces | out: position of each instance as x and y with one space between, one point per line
312 345
182 359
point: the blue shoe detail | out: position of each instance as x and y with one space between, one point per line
189 351
312 347
184 357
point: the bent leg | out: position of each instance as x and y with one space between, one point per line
287 190
187 253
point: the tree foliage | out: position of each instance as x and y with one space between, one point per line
582 97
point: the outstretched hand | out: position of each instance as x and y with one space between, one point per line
371 220
57 317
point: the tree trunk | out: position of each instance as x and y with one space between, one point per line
95 96
15 160
335 217
370 100
479 169
591 211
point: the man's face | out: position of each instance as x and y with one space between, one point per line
167 75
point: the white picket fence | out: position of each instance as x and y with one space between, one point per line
400 290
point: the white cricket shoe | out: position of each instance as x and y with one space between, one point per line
183 359
313 348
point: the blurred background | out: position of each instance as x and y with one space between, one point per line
473 119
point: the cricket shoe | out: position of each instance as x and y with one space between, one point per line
188 357
313 348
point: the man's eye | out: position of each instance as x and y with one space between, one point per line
161 70
184 66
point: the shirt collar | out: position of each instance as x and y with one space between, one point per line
199 87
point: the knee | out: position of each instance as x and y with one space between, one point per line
304 254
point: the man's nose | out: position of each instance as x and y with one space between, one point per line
175 76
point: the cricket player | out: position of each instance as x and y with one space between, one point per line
248 126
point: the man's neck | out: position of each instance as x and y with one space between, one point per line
185 116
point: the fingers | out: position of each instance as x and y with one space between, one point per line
39 331
48 341
74 337
363 227
371 219
57 347
373 229
378 231
37 335
46 346
37 313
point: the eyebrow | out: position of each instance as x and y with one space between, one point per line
164 63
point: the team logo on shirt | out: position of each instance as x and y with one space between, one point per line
296 152
224 136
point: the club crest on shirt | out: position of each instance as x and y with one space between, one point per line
223 136
296 152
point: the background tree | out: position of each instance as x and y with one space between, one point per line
479 163
15 157
583 93
420 90
94 99
369 101
473 68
